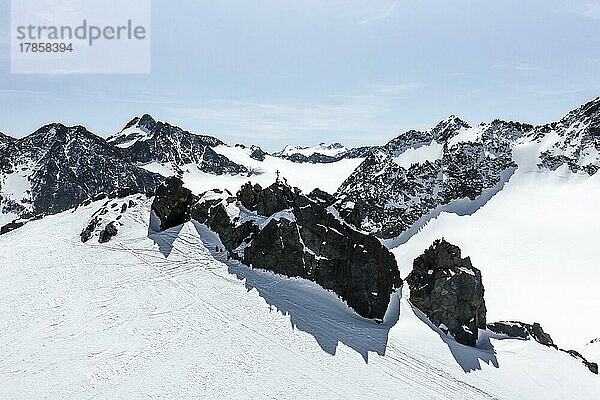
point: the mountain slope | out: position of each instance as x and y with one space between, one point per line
159 316
58 167
145 140
535 243
455 167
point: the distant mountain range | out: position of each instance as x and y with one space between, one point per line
397 186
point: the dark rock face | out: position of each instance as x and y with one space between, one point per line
144 140
351 212
257 153
266 201
172 203
87 232
522 330
322 197
448 289
63 167
107 233
11 226
281 230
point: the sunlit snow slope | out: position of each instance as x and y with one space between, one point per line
536 243
158 316
306 176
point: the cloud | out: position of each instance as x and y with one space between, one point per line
354 117
13 93
394 88
379 14
515 67
586 10
136 98
543 91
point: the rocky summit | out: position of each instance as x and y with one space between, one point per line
146 140
172 203
448 289
281 230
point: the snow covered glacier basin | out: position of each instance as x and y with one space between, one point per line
159 316
536 244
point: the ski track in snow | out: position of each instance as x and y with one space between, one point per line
122 320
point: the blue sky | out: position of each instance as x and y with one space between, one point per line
274 72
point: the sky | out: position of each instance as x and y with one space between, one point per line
277 72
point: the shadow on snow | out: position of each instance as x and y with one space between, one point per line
320 312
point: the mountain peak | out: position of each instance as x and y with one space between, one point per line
145 122
448 127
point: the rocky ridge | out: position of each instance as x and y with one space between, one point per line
464 167
105 223
146 140
281 230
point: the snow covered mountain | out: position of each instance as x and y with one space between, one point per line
145 141
456 167
322 148
58 167
243 287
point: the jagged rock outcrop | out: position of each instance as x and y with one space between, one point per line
172 203
257 153
322 197
395 197
107 233
145 140
59 167
522 330
281 230
449 291
267 201
312 243
104 224
576 140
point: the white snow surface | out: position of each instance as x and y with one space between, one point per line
15 188
135 133
591 351
306 176
151 315
418 155
536 244
322 148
